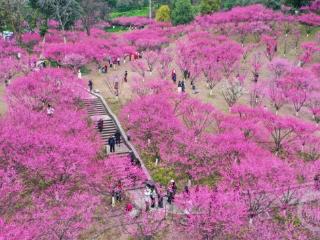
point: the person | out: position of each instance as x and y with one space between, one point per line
117 136
90 84
317 181
171 191
160 196
152 198
129 207
50 110
194 90
118 61
79 74
185 74
126 76
147 194
105 68
118 191
174 76
174 187
100 125
6 82
183 86
186 189
179 87
132 157
112 143
110 62
116 87
256 77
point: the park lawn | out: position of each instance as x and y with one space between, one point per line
143 12
115 29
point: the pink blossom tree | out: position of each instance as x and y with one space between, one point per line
151 58
212 72
256 64
139 66
74 61
296 86
271 46
165 60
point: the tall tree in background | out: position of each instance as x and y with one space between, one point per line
92 11
297 3
66 12
12 15
182 12
208 6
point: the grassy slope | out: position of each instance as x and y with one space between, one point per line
132 13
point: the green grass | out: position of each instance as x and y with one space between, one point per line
85 70
131 13
116 29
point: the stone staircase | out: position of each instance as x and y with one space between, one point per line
97 111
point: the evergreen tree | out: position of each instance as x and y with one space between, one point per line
182 12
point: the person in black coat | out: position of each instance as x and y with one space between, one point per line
117 135
100 125
126 76
183 86
90 84
112 143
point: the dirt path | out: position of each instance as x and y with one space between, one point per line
3 106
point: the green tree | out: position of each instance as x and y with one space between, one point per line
13 14
208 6
66 12
297 3
92 12
163 14
182 12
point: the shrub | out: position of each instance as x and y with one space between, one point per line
208 6
163 14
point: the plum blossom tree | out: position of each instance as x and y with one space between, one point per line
313 104
104 175
228 55
296 85
233 90
140 67
271 46
256 64
212 73
9 69
165 60
279 67
74 61
151 58
146 225
212 213
309 49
